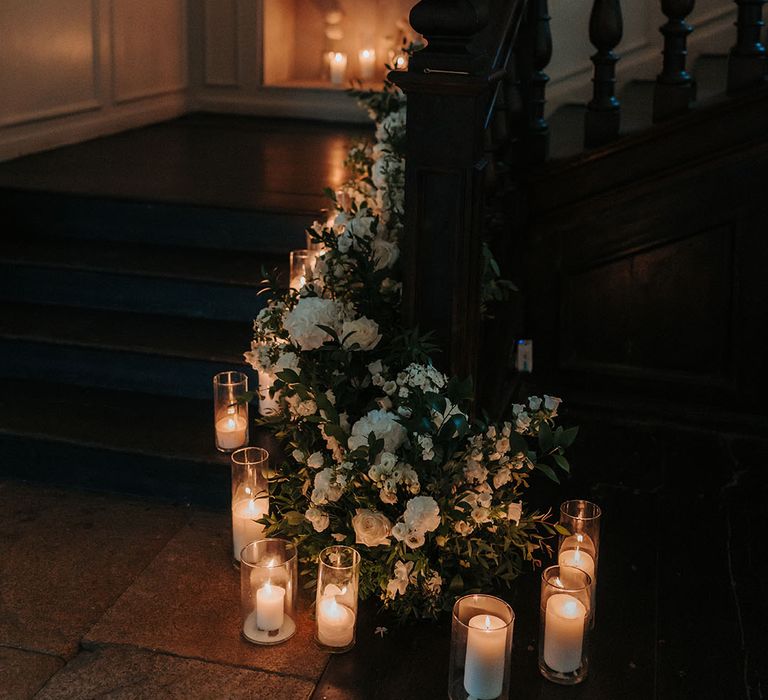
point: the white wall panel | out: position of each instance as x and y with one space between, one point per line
48 58
221 42
148 45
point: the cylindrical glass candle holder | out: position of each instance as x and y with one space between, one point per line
302 263
250 496
564 624
336 603
230 410
481 644
268 586
268 405
582 547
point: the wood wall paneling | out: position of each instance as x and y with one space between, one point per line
48 60
221 43
148 49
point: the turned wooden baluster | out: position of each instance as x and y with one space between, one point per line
675 89
747 62
604 111
534 55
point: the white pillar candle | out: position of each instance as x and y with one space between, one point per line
270 605
244 529
564 632
367 60
338 64
486 657
579 559
267 404
335 623
231 431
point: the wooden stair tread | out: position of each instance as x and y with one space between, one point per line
124 258
140 424
190 338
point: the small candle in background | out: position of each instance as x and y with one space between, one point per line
230 410
337 62
564 633
367 62
578 551
244 527
268 405
486 656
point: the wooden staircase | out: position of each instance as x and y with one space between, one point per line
129 274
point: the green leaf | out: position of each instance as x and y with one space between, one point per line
568 436
546 438
336 431
562 462
562 530
548 471
294 518
289 376
457 584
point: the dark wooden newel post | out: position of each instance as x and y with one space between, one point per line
747 60
448 93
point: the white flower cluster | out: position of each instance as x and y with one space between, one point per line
388 473
528 417
422 515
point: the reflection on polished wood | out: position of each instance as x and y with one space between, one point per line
213 160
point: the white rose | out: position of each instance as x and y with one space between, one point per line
389 387
371 528
315 460
288 360
302 322
463 528
515 512
501 477
362 332
414 540
534 402
480 515
427 447
551 403
422 514
399 531
375 368
383 425
523 421
385 253
318 518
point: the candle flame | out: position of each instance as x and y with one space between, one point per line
487 622
338 57
248 490
267 587
366 53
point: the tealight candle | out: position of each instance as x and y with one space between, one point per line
338 65
335 623
231 432
367 61
245 529
270 601
486 656
564 633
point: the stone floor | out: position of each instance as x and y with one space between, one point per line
105 596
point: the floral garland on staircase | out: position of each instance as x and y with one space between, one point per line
382 452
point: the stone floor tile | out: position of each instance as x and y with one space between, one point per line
23 673
66 556
123 673
187 602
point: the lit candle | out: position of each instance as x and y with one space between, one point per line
367 60
335 623
270 601
244 527
564 632
338 65
400 62
486 654
231 431
579 559
267 404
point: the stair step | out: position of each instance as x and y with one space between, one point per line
133 277
163 224
133 352
123 441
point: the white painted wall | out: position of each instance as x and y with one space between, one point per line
74 69
640 48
